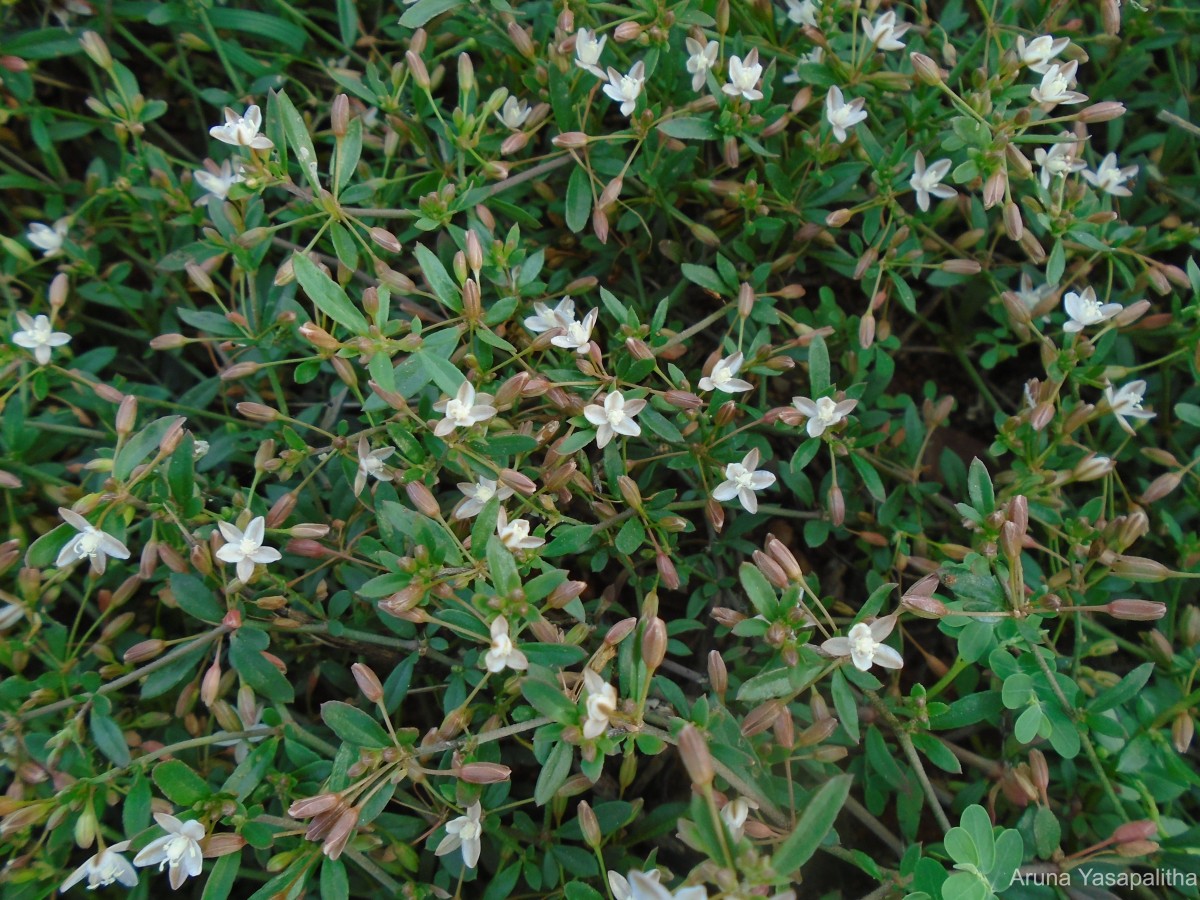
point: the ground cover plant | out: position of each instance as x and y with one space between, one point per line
596 450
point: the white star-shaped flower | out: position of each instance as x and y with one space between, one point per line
722 377
1039 53
463 410
478 494
465 832
546 319
1058 162
928 180
179 849
734 814
515 534
742 480
864 645
701 59
744 76
823 412
1056 86
91 544
48 240
219 182
587 51
103 869
1126 402
371 464
1085 310
242 131
645 886
803 12
246 549
503 653
513 114
615 416
1111 178
884 33
625 89
577 335
842 115
601 704
38 335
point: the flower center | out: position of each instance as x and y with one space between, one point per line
483 493
861 642
577 334
248 547
502 645
614 416
458 412
470 831
90 542
176 849
827 411
742 477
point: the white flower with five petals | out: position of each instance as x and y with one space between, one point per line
722 377
823 412
179 849
478 494
1086 310
242 131
103 869
1126 402
884 33
513 114
503 653
577 335
1059 161
587 51
515 534
48 240
220 181
601 703
742 480
864 645
91 544
465 832
245 549
625 89
463 410
1056 86
644 886
547 319
1039 53
371 464
615 416
38 335
743 76
1110 177
701 59
928 180
842 115
803 12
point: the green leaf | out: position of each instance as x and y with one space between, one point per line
548 699
758 589
1010 850
568 540
1124 690
579 199
441 371
299 141
1018 690
196 598
870 478
1057 263
250 771
937 752
348 29
502 566
327 295
979 826
660 425
221 877
141 445
1189 413
979 486
689 129
703 276
553 773
417 15
439 279
1028 725
765 685
961 848
353 725
630 537
1047 832
818 366
246 648
179 783
815 823
845 704
334 882
108 737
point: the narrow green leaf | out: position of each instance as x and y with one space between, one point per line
299 140
419 14
109 738
354 725
439 279
579 199
179 783
689 129
328 295
818 366
815 823
553 773
141 445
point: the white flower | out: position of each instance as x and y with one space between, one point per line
1039 52
1084 310
1056 84
614 417
742 480
1031 298
823 412
813 57
463 410
103 869
91 544
842 115
503 653
645 886
601 704
179 849
1059 162
1111 178
864 645
219 182
1127 401
884 33
743 76
734 814
803 12
10 615
625 89
246 549
48 240
515 534
242 131
560 317
200 449
36 334
703 57
466 832
926 181
587 51
478 495
578 334
514 113
370 463
249 718
722 377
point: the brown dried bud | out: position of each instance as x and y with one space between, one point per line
818 732
693 750
962 266
239 370
172 341
837 506
385 239
726 616
761 718
839 217
683 399
786 559
217 845
1141 830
